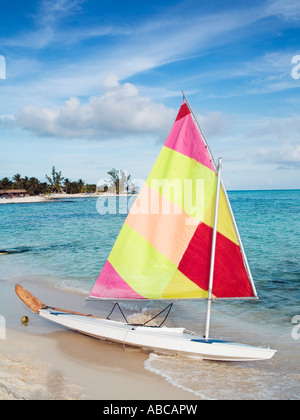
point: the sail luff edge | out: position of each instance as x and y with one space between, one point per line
200 130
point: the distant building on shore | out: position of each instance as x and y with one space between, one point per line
13 193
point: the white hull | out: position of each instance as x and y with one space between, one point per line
161 340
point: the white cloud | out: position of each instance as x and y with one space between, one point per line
52 11
58 23
287 9
287 156
120 111
180 27
214 124
265 140
277 129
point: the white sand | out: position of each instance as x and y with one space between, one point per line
45 361
41 198
34 199
50 197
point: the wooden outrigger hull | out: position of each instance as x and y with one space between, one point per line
161 340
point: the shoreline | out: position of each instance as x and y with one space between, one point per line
55 196
52 197
45 361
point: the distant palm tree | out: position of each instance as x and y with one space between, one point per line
18 180
119 180
55 181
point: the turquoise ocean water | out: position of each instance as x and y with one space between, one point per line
65 243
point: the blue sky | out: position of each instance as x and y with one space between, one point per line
92 85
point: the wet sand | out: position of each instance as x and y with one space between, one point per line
42 361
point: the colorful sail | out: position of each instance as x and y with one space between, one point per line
164 247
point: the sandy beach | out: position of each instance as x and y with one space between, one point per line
42 198
44 362
16 200
52 197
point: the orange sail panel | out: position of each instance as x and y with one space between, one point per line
163 249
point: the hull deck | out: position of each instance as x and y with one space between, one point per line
161 340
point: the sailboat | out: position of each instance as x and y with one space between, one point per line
179 241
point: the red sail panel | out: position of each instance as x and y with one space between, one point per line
230 276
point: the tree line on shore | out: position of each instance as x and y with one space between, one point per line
56 183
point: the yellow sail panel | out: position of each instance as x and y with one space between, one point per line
173 174
225 222
181 287
184 181
140 265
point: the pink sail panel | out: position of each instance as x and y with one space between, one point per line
185 138
111 285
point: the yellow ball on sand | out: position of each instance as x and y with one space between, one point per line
25 320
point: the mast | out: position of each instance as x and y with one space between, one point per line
213 251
